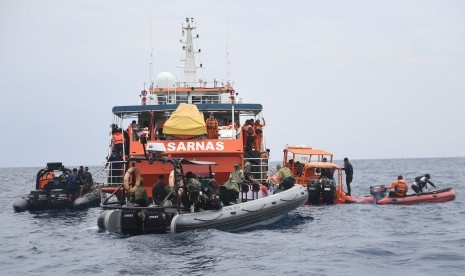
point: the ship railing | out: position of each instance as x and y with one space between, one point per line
114 173
259 168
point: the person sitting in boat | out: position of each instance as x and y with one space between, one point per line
160 191
326 173
248 176
45 178
140 195
400 188
299 168
194 196
232 185
212 193
421 182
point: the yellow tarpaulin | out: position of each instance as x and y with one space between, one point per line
185 120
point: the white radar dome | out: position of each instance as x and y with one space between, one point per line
165 80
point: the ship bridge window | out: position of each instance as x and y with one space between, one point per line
162 99
196 99
181 98
212 98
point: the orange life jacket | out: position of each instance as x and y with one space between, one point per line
45 179
244 134
258 129
259 133
212 128
400 187
117 138
212 124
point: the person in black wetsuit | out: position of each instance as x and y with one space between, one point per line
116 166
72 185
349 173
421 182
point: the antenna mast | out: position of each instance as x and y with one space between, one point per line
151 54
228 62
190 71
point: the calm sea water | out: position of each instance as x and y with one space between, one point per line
322 240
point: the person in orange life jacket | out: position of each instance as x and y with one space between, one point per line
244 129
258 128
251 137
421 182
212 127
118 140
400 188
44 179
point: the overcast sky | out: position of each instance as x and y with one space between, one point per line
362 79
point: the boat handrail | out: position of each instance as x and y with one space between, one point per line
114 176
259 168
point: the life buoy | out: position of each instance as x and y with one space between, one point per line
128 179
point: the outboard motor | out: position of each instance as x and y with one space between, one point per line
130 222
101 220
58 199
378 192
328 191
313 188
155 221
38 200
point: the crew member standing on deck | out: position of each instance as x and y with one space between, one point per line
117 139
212 127
258 127
349 173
